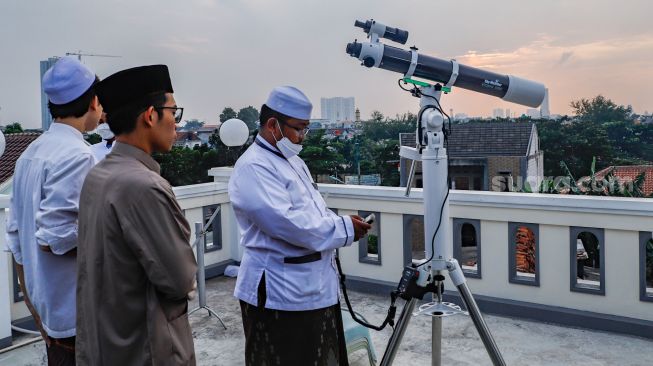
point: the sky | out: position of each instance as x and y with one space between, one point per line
233 52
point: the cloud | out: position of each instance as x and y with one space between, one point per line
565 57
547 52
187 45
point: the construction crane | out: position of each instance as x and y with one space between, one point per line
79 55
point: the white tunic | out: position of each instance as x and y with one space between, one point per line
44 205
287 231
100 150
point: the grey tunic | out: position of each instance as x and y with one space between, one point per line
135 266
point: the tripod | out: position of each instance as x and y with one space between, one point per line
200 238
428 277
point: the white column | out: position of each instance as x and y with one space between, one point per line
5 283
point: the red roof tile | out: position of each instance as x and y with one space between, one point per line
629 173
16 144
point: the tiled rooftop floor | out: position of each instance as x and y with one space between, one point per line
521 342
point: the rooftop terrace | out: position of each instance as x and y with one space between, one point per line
522 342
519 255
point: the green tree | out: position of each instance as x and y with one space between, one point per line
249 115
227 113
600 109
93 138
193 124
13 128
377 116
321 156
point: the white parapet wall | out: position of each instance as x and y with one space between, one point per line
6 288
621 219
192 199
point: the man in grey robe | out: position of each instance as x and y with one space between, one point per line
135 265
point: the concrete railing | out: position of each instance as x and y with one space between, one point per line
194 201
551 293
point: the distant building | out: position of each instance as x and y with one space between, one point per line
204 133
508 115
534 113
627 174
338 109
487 156
461 117
545 112
187 139
498 113
358 115
46 117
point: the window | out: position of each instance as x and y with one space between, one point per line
467 245
586 251
524 253
646 266
413 238
369 247
213 240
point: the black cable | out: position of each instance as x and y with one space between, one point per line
405 83
392 310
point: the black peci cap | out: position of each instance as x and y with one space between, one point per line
129 86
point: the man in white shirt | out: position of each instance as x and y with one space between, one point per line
42 221
287 283
102 148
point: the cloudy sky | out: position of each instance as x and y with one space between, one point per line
232 52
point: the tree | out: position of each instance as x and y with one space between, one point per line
320 156
93 138
227 113
600 109
193 124
377 116
249 115
13 128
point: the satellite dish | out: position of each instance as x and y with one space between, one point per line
234 132
3 143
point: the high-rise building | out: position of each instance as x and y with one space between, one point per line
497 113
46 117
544 108
534 113
338 109
358 115
508 115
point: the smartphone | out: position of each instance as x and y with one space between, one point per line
369 219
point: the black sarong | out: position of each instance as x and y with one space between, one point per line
293 338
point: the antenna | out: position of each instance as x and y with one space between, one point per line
79 55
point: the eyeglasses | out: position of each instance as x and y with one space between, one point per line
300 130
177 112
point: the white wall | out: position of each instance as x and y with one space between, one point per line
6 288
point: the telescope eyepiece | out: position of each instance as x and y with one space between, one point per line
354 49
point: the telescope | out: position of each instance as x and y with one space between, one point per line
448 72
428 276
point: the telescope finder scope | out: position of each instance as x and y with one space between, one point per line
382 31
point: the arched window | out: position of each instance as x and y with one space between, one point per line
646 266
524 250
467 245
587 260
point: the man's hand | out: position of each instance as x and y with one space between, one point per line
193 292
360 227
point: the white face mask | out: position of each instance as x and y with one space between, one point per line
287 148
